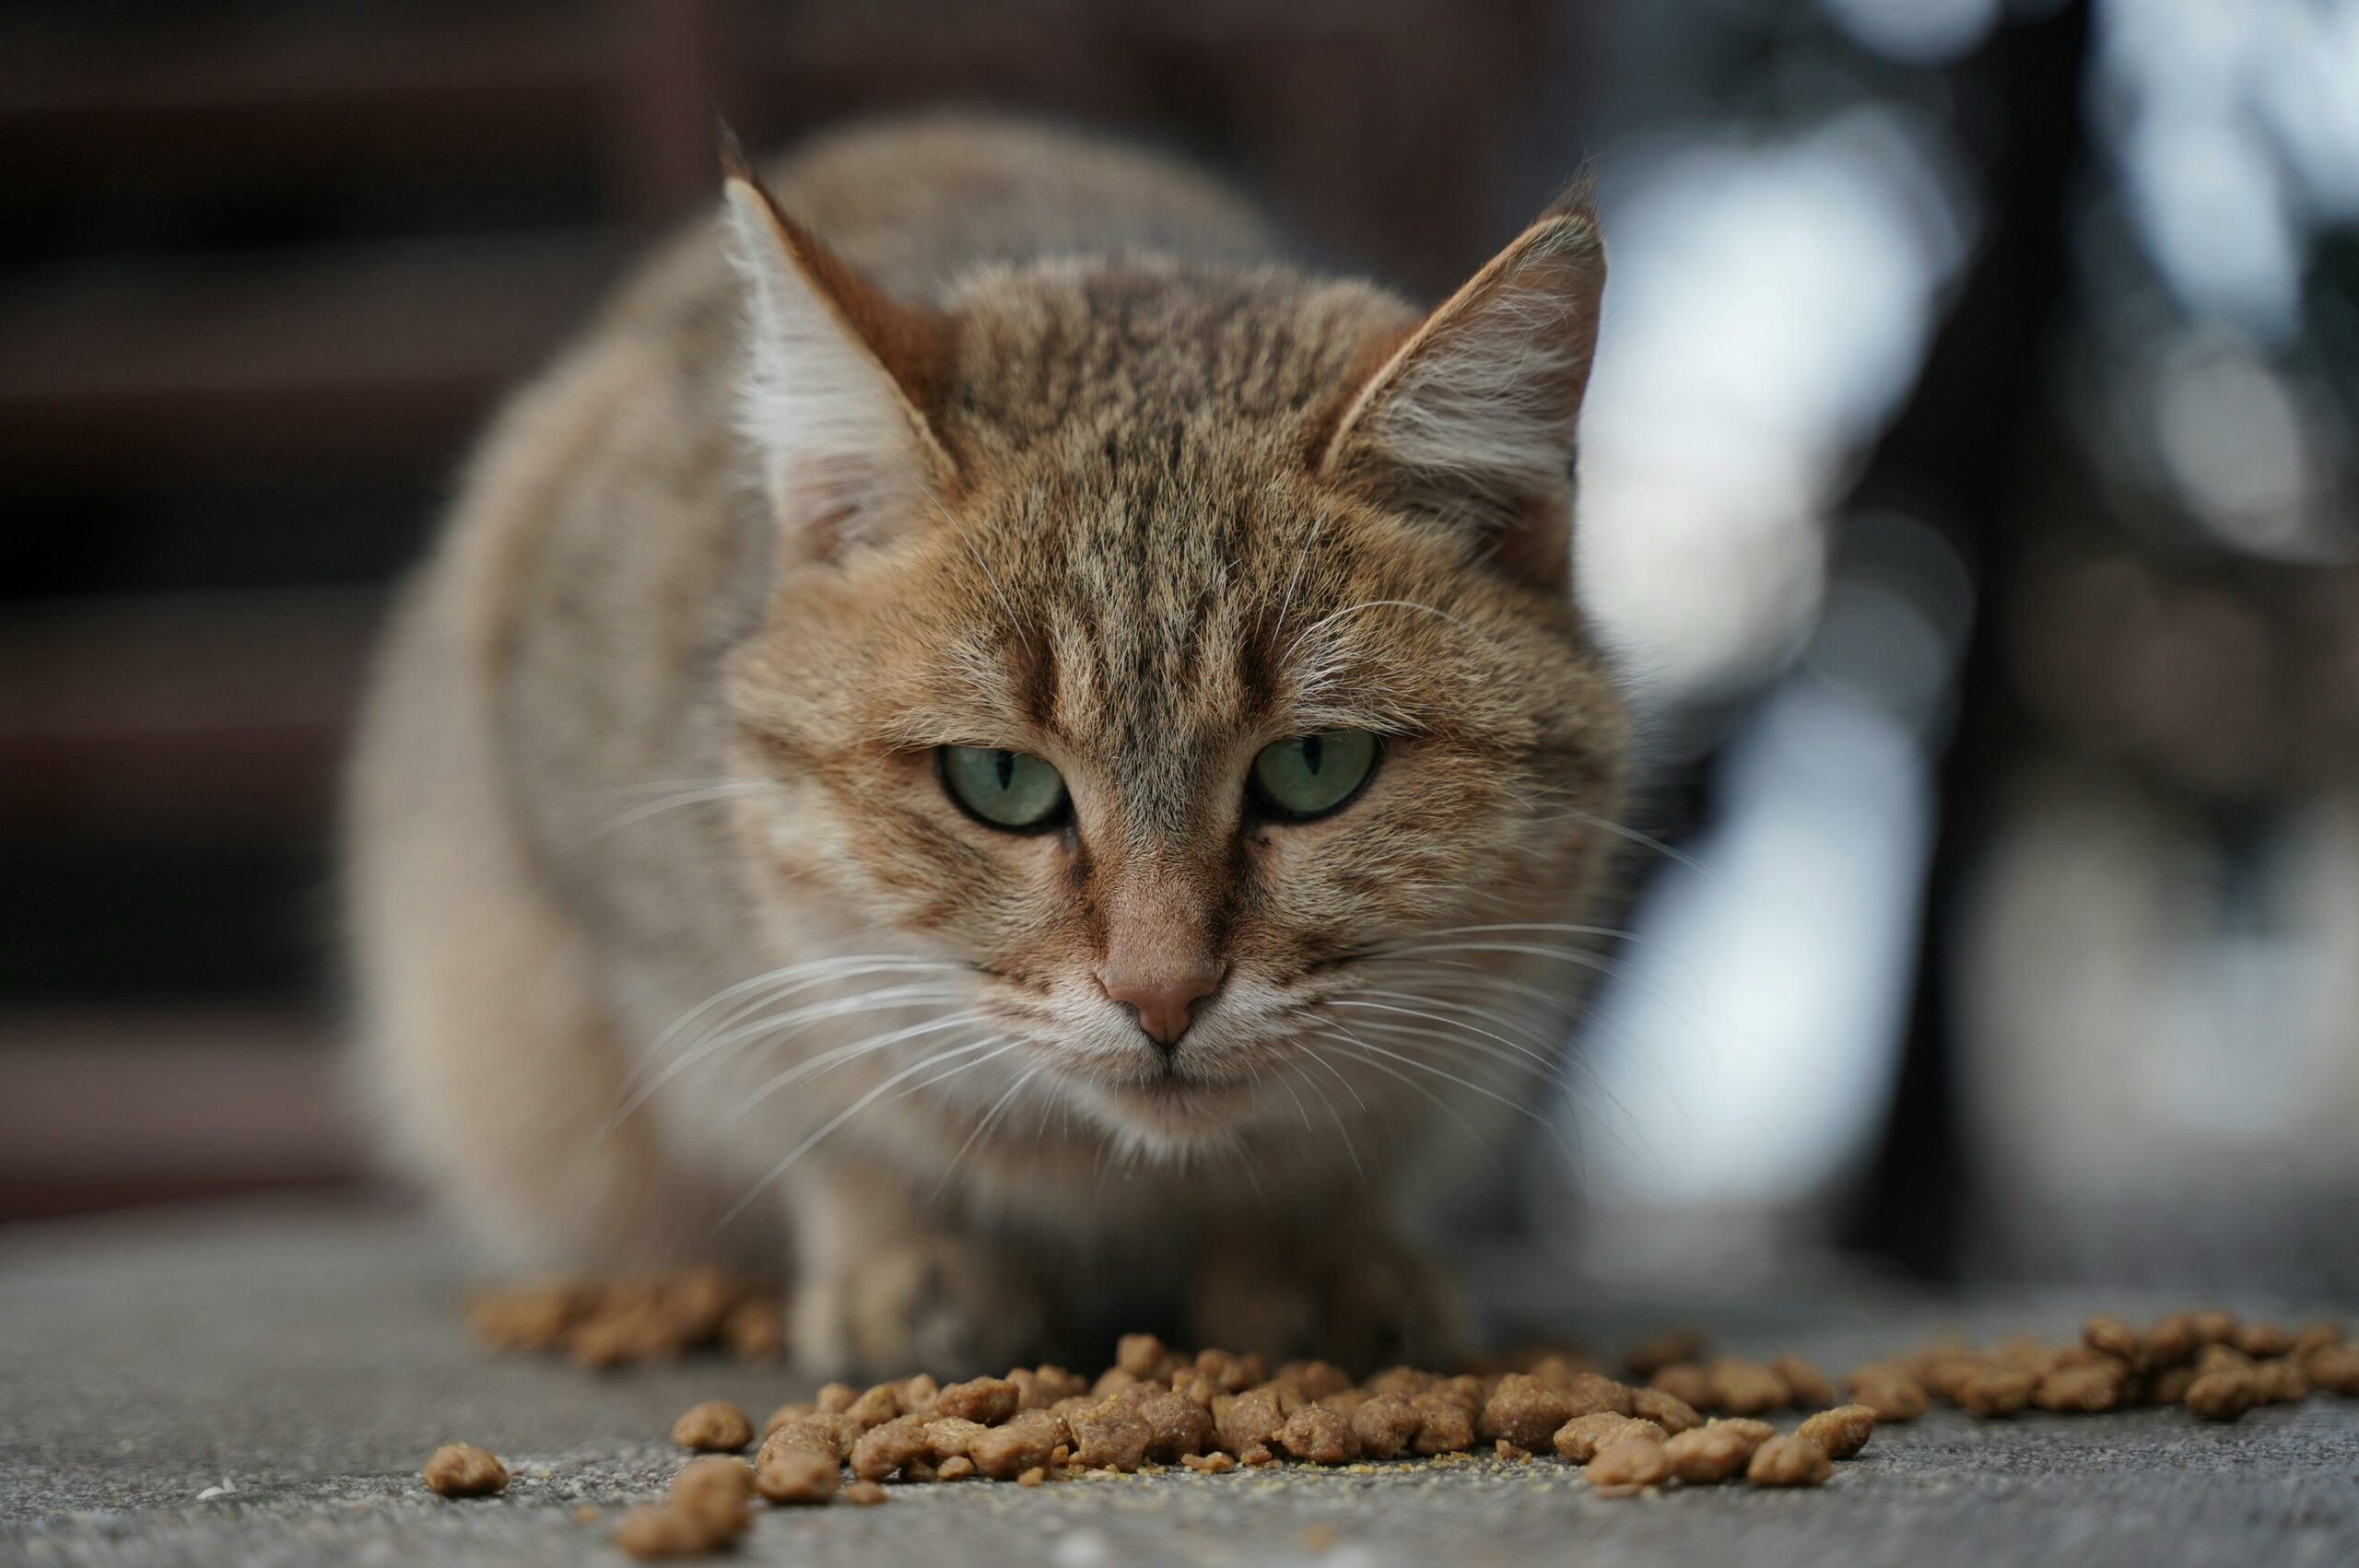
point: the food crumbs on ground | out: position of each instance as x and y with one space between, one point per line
1032 1476
1789 1461
864 1494
1667 1411
714 1427
658 1529
2221 1396
461 1469
1579 1439
1704 1455
797 1477
718 1492
1754 1432
1208 1464
1841 1432
1629 1465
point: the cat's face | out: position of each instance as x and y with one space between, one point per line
1141 674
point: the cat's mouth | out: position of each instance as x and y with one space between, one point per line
1174 1105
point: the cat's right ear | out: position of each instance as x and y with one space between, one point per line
839 377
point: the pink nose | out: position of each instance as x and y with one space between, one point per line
1162 1002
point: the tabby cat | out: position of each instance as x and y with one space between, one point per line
983 740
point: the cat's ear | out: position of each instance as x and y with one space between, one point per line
839 378
1470 421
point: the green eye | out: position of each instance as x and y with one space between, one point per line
1003 789
1311 774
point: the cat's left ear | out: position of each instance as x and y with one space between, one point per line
838 378
1471 420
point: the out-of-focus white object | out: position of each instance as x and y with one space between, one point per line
1770 304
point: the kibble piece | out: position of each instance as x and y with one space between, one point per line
1317 1379
834 1399
718 1492
1674 1414
1747 1388
1320 1435
1245 1420
949 1437
1754 1432
2317 1336
990 1401
527 1318
2334 1368
1706 1454
1806 1387
461 1469
1003 1453
1894 1398
1032 1476
660 1529
1687 1382
1144 1356
2216 1326
2282 1381
1581 1438
1443 1426
1995 1391
864 1494
1841 1432
2222 1358
1384 1424
1789 1461
754 1329
1405 1381
2170 1341
875 1407
1586 1393
830 1434
1208 1464
797 1476
2169 1385
1176 1425
1525 1411
2111 1336
2083 1389
714 1427
884 1449
1668 1347
1110 1434
2221 1396
1629 1465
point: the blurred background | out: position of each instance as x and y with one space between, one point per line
1968 485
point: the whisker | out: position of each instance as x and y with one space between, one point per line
844 1116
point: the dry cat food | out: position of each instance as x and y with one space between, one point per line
461 1469
622 1322
1686 1419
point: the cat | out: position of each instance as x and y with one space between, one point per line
984 740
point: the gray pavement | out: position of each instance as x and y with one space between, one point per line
258 1386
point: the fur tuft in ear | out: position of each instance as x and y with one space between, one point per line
1470 421
838 381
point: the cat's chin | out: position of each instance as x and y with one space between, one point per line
1176 1109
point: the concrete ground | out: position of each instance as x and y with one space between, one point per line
259 1386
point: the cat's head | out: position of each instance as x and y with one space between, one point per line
1187 654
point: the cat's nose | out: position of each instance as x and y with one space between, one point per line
1165 1000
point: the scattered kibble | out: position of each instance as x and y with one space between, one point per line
461 1469
1841 1432
1789 1461
1629 1465
714 1427
864 1494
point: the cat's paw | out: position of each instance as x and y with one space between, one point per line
942 1305
1359 1297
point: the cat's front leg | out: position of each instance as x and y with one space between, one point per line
883 1290
1353 1291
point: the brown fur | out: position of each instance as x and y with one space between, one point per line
1143 500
